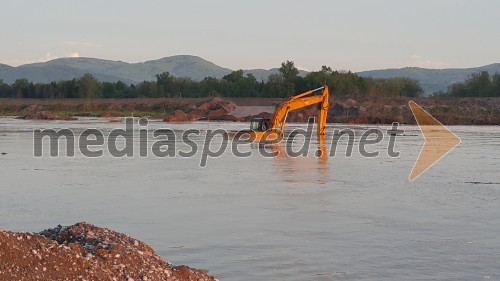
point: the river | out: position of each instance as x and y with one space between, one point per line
278 218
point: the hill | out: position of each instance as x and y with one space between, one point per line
107 70
432 80
196 68
193 67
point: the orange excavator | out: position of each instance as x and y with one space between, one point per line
272 129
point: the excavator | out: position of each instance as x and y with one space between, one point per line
262 129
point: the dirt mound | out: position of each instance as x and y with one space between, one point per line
84 252
216 104
179 116
265 115
34 112
214 109
46 115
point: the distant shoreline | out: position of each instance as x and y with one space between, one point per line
362 110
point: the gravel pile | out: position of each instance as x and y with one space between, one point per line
85 252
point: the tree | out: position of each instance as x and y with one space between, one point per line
67 89
326 70
318 78
410 88
132 91
478 85
108 90
5 90
495 85
147 89
164 83
121 89
288 70
276 86
87 86
210 86
251 86
235 76
285 83
21 88
241 86
290 74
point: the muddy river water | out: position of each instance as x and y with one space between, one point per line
273 218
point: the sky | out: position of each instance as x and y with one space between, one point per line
345 35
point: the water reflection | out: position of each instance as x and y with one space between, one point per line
312 168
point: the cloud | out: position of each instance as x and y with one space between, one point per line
73 55
76 43
418 61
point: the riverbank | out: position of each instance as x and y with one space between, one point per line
363 110
85 252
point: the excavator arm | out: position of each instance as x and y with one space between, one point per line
278 120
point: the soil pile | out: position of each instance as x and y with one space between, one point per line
214 109
85 252
34 112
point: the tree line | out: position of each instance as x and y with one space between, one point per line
285 83
477 85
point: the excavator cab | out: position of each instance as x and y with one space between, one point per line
260 124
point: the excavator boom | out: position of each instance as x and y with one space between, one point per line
278 120
272 129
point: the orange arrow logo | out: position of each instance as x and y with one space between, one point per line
439 141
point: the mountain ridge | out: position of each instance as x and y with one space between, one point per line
432 80
197 68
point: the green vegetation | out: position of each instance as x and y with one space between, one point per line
285 83
477 85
